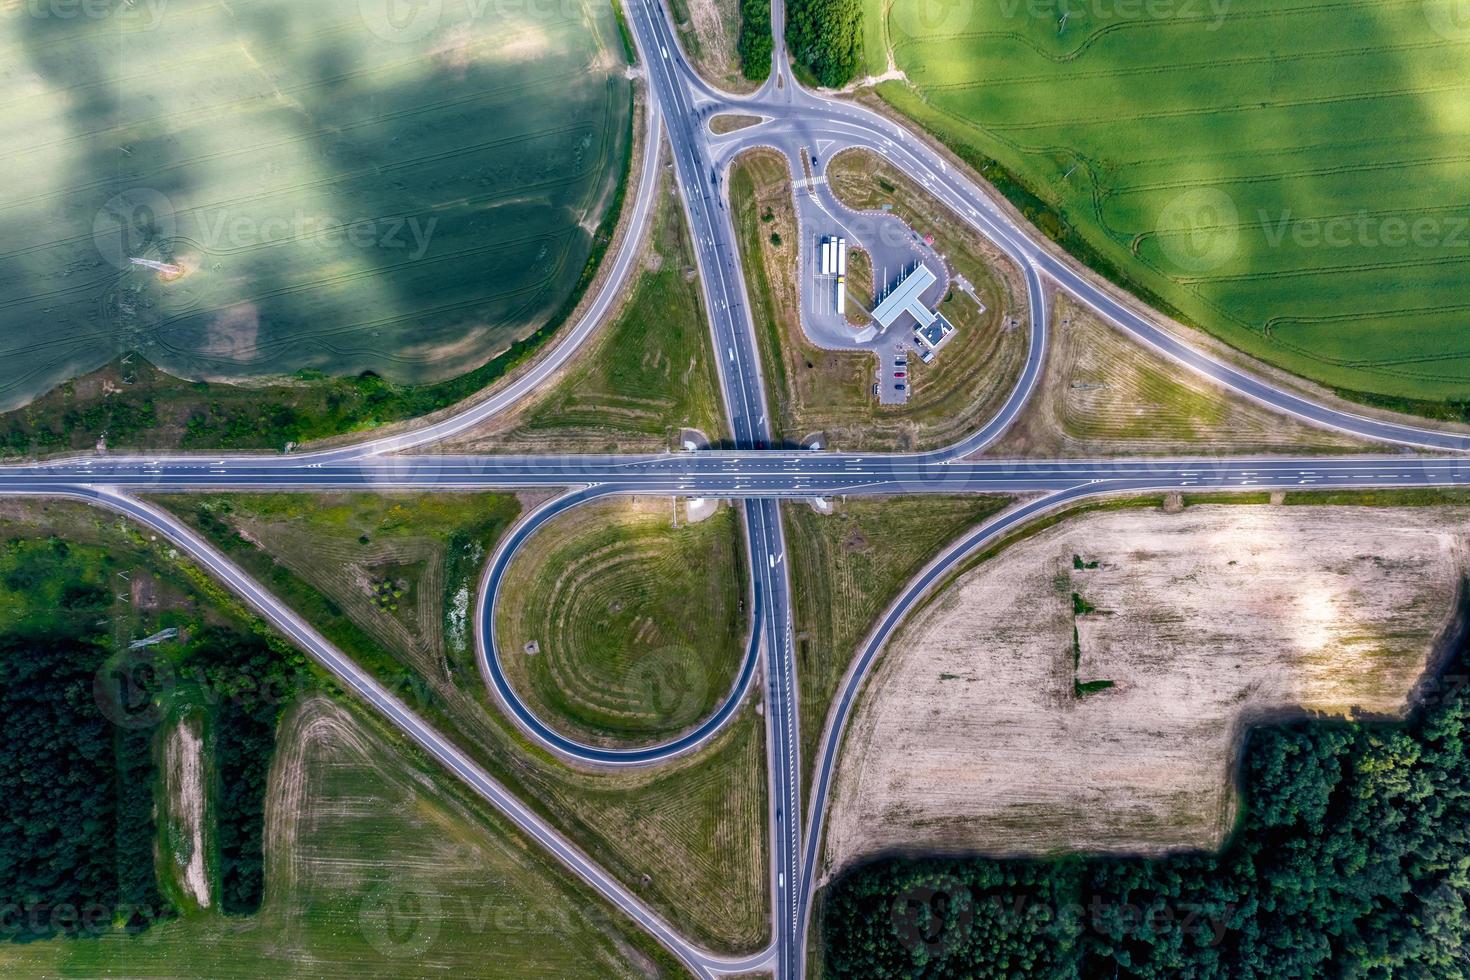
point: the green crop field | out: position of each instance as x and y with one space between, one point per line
256 188
618 626
1289 175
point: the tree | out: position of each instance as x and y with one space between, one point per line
826 37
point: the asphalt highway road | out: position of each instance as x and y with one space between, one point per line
752 474
736 353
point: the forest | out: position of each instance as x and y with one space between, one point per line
1351 859
78 765
76 822
826 38
755 43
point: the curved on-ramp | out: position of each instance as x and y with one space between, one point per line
487 651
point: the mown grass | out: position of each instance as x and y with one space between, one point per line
1102 395
650 374
1195 154
830 391
433 542
848 567
859 287
689 838
619 627
378 867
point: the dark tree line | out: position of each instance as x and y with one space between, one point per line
252 682
826 37
77 781
76 796
756 43
1353 859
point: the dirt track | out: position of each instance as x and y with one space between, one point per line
971 736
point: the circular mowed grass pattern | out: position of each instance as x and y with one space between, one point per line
619 627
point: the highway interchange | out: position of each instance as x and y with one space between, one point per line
680 105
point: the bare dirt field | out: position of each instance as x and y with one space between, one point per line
1103 394
710 30
991 727
184 775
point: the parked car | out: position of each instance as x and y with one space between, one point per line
899 374
899 387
